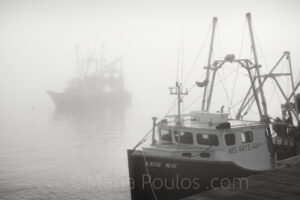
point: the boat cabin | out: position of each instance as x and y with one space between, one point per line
211 137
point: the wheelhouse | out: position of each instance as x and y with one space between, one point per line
217 133
188 137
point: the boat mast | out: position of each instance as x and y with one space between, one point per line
209 63
248 100
178 91
293 87
295 102
265 116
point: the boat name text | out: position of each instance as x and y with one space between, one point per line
160 164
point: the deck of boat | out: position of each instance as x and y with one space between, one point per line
281 183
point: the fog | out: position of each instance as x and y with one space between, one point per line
38 40
41 151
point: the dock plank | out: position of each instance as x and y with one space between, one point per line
282 183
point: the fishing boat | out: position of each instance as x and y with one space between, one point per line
96 85
197 151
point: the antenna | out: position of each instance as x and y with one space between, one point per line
177 90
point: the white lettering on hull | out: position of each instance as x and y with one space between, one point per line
245 147
160 164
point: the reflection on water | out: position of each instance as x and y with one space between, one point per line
65 155
105 121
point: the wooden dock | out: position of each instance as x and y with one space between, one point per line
281 183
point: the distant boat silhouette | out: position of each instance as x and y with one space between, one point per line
102 87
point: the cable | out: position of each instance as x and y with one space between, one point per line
192 69
143 139
219 39
189 105
298 76
237 72
233 90
225 89
178 57
147 171
182 53
243 37
273 92
197 57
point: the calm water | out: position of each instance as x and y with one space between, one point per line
45 154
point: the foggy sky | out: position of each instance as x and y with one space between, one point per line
38 38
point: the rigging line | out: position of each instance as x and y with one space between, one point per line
192 87
182 53
143 139
234 105
264 59
273 92
243 38
250 54
239 101
225 77
223 72
178 58
189 90
189 105
173 105
275 86
214 86
222 80
262 52
253 111
251 103
286 79
225 89
147 171
197 57
272 54
178 61
282 69
232 96
220 42
147 136
298 76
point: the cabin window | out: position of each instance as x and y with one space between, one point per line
207 139
165 135
230 139
185 137
247 136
